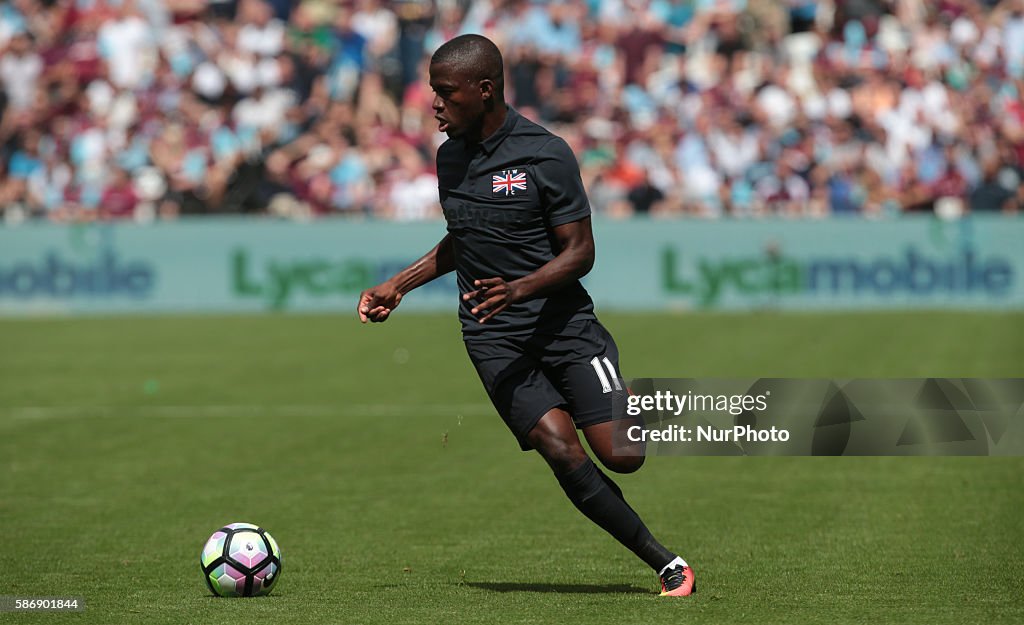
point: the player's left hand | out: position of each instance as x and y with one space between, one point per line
496 295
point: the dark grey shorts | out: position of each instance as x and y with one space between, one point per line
526 376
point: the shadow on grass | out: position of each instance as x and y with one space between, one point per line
571 589
244 599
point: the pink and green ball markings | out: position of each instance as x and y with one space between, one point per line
248 565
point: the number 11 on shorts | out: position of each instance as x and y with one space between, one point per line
606 386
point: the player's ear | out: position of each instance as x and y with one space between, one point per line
486 89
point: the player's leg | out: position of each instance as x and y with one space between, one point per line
533 409
616 453
583 365
600 499
555 439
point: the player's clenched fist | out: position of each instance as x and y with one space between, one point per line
376 303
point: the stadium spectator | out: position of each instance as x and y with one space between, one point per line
120 108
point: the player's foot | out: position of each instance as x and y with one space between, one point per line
677 580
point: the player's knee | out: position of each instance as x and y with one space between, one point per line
561 454
623 464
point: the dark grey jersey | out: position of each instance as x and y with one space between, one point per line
501 199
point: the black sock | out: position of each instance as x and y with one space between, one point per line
601 501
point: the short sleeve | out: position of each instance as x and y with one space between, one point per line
562 195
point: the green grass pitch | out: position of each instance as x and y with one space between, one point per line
397 495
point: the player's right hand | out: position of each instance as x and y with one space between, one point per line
376 303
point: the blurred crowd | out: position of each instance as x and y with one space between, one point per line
156 108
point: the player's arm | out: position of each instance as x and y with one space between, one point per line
574 260
376 303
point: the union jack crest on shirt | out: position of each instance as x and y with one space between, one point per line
508 182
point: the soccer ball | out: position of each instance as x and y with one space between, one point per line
241 560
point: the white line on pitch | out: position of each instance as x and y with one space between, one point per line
229 410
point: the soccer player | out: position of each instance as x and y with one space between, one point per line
519 239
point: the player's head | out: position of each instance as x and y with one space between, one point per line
467 76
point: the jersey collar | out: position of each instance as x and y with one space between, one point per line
491 143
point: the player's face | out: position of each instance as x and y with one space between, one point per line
458 100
